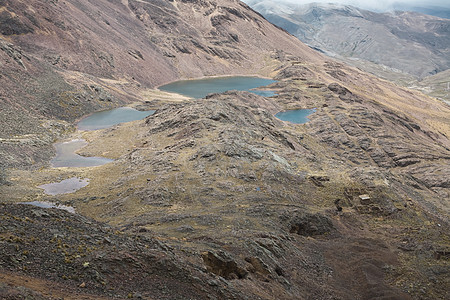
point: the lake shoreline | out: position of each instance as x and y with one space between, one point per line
201 88
212 77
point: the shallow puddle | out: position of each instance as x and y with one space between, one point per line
45 204
66 156
66 186
199 88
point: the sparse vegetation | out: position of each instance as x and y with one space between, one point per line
216 197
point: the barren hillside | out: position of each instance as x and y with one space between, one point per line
212 198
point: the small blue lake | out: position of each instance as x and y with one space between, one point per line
108 118
65 186
65 152
297 116
66 156
199 88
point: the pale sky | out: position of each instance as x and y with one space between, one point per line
379 5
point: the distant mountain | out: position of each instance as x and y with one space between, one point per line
409 42
437 86
437 11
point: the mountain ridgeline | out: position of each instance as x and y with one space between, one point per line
214 198
410 42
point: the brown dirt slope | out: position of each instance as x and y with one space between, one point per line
82 259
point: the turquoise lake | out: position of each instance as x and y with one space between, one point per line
108 118
65 152
199 88
298 116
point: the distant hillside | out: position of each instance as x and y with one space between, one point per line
437 86
437 11
409 42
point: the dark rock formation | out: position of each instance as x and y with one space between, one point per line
90 258
223 265
13 25
310 225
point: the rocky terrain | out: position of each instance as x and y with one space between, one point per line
437 86
399 46
55 249
63 59
217 198
413 43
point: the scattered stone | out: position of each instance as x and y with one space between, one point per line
365 199
319 180
258 266
136 54
185 228
213 282
12 51
442 254
338 206
338 89
40 213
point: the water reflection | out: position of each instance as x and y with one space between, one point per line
66 156
109 118
66 186
199 88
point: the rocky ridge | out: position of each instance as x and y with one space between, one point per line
410 42
411 55
218 197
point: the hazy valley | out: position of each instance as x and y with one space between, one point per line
405 47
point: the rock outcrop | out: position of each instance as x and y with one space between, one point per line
90 259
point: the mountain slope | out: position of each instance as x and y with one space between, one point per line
437 86
214 197
413 43
64 59
432 10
